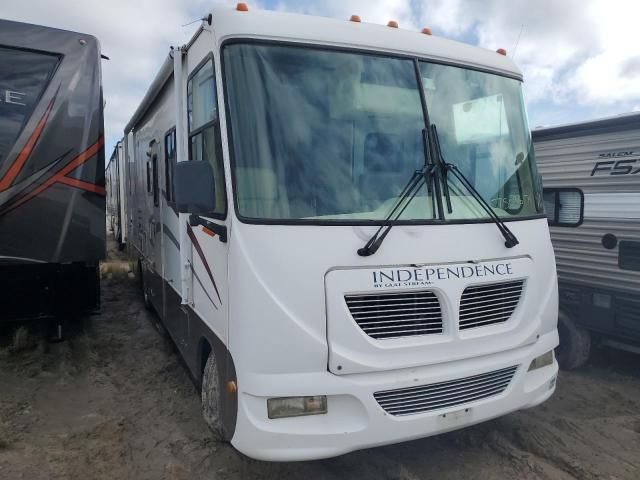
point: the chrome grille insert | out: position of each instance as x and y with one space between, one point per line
489 304
394 315
435 396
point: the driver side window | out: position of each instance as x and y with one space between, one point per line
204 128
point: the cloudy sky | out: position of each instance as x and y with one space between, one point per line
580 58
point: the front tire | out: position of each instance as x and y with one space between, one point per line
211 398
575 344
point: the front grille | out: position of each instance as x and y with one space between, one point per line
412 400
393 315
483 305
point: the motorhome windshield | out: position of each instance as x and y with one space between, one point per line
322 135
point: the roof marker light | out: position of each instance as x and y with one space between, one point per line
427 31
501 51
242 7
355 18
392 24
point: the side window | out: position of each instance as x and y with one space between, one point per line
564 206
629 255
204 128
156 196
169 163
24 75
148 177
154 172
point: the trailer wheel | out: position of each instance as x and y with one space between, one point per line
575 343
211 398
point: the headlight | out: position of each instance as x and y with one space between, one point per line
296 406
542 361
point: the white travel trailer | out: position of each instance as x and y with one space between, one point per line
266 166
591 174
116 198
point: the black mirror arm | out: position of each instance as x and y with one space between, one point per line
220 230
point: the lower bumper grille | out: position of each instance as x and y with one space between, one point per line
412 400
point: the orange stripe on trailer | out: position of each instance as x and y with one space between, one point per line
24 154
90 187
60 177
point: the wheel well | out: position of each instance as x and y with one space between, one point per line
205 350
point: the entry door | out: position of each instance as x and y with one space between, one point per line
208 242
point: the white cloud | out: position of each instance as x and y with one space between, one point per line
135 35
572 53
612 74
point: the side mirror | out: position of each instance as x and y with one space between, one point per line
195 188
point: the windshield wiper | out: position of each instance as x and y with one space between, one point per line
510 239
408 193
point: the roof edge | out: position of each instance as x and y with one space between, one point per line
630 121
161 78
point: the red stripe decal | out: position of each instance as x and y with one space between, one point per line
198 248
60 177
24 154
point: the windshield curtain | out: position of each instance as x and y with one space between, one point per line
322 135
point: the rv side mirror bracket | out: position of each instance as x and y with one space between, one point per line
220 230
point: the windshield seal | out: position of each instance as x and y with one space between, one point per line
345 222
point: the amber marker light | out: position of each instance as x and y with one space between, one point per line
355 18
392 24
211 233
427 31
242 7
501 51
232 387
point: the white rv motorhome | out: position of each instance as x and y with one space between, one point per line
341 226
591 174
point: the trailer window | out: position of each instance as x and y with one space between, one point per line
169 163
564 206
204 128
148 177
23 77
629 255
154 173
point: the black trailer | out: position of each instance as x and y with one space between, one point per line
52 192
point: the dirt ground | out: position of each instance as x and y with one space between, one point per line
115 402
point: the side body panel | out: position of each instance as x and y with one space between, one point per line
200 324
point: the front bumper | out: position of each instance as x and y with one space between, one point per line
355 420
